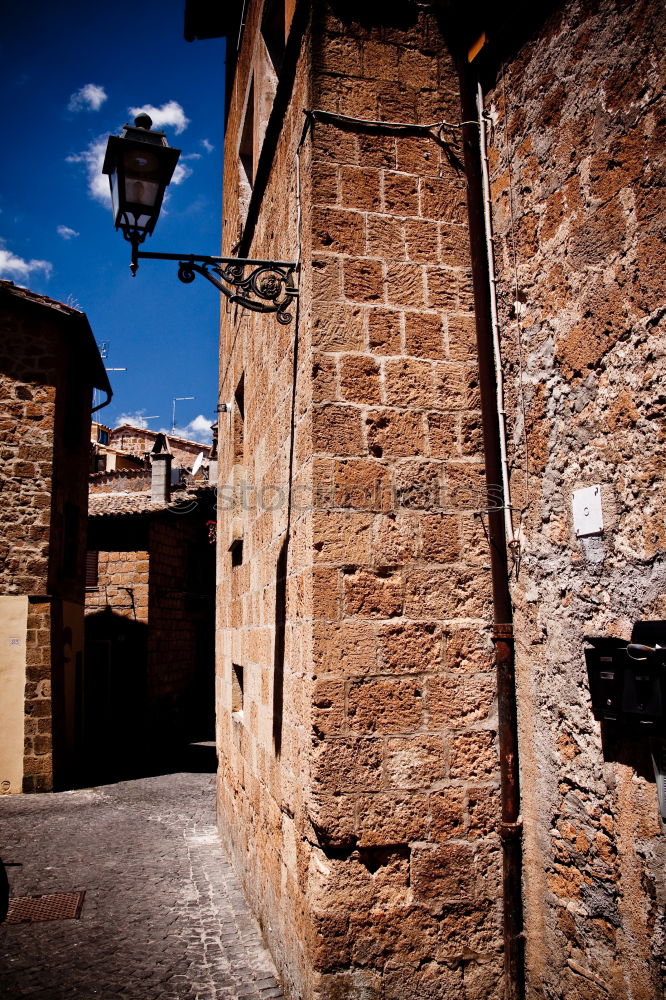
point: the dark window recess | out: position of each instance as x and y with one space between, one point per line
70 539
273 31
239 422
92 569
236 550
237 690
102 436
246 148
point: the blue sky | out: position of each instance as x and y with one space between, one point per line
70 72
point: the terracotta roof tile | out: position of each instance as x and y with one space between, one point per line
115 504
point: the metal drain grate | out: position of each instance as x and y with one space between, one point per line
57 906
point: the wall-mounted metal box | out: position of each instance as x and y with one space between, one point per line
628 679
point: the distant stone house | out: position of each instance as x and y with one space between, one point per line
149 626
139 441
49 366
105 458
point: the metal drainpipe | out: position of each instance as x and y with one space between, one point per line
494 322
510 826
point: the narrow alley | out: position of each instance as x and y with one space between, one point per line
163 916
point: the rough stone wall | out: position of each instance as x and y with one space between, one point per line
122 584
28 378
179 608
356 720
263 736
133 441
38 752
133 480
44 440
163 579
577 161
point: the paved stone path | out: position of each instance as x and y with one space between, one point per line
164 917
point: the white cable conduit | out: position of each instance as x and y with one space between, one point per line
499 381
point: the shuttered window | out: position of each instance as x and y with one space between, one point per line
91 569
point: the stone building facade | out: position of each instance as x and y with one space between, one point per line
49 365
577 166
149 625
366 770
133 441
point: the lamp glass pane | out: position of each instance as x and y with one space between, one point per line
141 192
142 177
113 181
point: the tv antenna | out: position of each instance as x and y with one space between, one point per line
174 400
104 355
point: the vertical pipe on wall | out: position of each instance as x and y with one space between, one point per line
510 826
494 322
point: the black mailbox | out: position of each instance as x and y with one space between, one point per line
628 679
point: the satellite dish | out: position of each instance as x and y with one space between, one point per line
197 463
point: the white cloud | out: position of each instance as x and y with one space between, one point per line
67 233
208 146
170 113
135 419
180 174
93 158
88 98
12 266
191 156
198 429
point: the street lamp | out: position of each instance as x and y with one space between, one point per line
140 165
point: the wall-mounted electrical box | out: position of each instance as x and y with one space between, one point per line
628 689
628 679
587 514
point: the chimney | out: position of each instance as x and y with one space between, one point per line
160 478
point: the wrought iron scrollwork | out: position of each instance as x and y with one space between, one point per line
266 286
262 286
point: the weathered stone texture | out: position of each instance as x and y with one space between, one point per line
48 364
122 584
38 753
577 174
157 571
26 443
356 709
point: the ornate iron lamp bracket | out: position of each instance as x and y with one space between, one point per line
265 286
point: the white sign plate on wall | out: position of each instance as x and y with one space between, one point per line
587 515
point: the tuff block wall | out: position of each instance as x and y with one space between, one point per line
28 390
122 584
577 165
358 785
44 433
135 441
158 571
38 750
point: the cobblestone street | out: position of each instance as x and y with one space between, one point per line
164 917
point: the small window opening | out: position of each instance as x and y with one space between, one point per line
273 31
237 690
236 550
239 422
102 436
92 569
